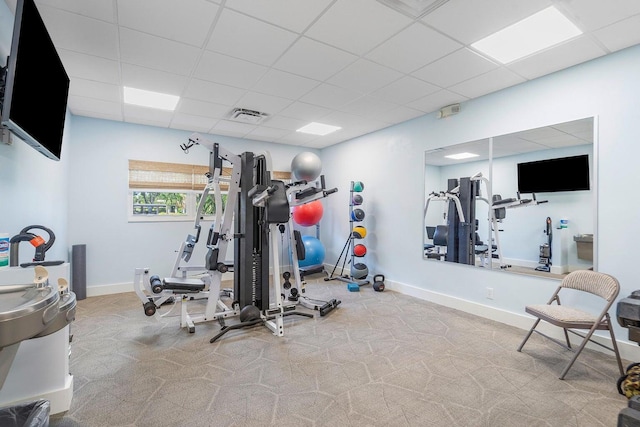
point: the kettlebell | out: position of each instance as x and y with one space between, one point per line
378 283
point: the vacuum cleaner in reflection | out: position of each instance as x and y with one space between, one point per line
41 245
545 249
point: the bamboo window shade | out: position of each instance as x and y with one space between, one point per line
177 176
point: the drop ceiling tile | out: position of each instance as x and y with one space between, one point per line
154 52
405 90
295 15
264 133
353 123
153 80
286 85
436 101
98 9
243 37
398 114
187 23
373 21
148 116
492 81
582 128
330 96
364 76
574 52
368 106
80 103
90 67
99 38
227 127
309 58
286 123
459 66
469 21
192 123
594 14
305 111
93 89
296 138
620 35
561 141
268 104
213 92
227 70
117 117
194 107
413 48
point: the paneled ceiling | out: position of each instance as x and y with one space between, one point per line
360 64
560 135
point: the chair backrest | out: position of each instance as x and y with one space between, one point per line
500 213
430 232
440 235
600 284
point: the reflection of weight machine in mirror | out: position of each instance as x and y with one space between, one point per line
500 159
457 240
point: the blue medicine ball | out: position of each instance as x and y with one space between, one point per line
314 252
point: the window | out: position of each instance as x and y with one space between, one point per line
160 191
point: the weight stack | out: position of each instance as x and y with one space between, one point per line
79 271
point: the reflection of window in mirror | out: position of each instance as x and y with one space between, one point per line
513 234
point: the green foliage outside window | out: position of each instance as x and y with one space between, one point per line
159 203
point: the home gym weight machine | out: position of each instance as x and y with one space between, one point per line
257 205
300 193
462 240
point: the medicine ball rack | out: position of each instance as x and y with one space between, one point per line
356 214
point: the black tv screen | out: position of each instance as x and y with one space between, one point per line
552 175
37 85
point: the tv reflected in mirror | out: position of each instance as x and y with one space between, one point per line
552 175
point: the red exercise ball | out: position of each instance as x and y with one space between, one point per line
359 250
308 214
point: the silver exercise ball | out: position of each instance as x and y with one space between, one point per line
306 166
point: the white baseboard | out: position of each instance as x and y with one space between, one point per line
115 288
629 351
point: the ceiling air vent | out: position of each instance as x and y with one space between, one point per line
247 116
414 8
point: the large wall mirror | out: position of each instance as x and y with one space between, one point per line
522 202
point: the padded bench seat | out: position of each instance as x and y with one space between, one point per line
183 285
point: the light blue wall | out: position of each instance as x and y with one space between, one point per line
390 163
34 191
98 203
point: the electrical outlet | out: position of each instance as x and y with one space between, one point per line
489 293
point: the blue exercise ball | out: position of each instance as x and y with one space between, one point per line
314 252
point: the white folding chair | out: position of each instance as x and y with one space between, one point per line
569 318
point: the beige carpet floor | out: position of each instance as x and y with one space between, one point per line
379 359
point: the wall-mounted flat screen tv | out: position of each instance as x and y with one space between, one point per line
36 85
552 175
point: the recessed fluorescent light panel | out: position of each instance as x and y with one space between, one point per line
318 129
146 98
539 31
461 156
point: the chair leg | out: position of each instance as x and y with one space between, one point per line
566 337
528 334
578 351
615 345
